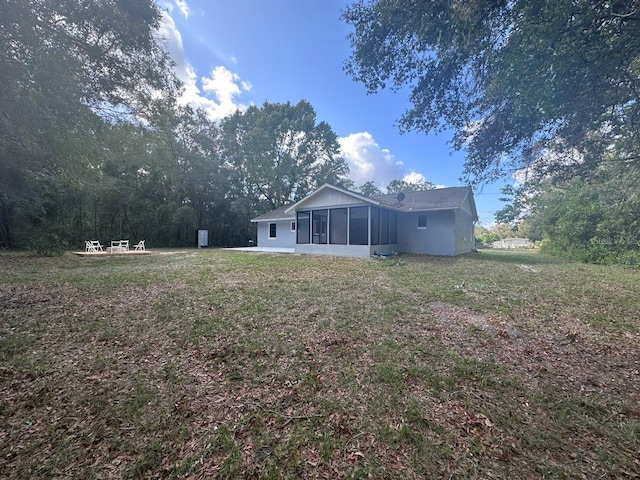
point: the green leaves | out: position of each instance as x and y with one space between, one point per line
278 153
515 80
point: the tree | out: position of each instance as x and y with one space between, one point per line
549 84
278 153
67 69
397 186
369 189
596 220
485 235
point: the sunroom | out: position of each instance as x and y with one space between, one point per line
358 230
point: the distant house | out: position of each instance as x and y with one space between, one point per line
508 243
335 221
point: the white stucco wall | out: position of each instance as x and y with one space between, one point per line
285 238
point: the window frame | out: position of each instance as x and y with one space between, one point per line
358 236
305 216
421 227
275 230
341 229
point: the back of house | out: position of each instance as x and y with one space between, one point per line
336 221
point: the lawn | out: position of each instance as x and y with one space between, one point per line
221 364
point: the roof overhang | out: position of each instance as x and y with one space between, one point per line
271 220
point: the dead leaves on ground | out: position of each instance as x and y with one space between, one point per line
97 384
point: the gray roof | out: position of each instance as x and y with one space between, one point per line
277 214
436 199
424 200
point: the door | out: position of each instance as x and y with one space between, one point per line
319 230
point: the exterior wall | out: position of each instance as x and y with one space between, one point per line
336 250
328 199
285 238
437 239
464 236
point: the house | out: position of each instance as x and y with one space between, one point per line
509 243
335 221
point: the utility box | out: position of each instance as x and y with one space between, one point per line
203 238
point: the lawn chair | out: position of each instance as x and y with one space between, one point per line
93 246
119 246
139 246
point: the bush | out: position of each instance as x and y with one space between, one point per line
47 245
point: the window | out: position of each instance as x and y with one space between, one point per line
272 230
338 226
375 226
358 226
422 221
320 226
293 226
304 226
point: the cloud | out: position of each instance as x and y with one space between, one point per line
183 7
171 5
368 162
414 177
217 94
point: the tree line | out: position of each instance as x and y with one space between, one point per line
94 143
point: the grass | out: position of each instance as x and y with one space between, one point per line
220 364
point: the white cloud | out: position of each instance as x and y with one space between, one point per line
414 177
171 5
225 86
217 94
368 162
183 7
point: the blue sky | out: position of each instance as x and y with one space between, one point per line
232 54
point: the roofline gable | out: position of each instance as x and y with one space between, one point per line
328 186
472 201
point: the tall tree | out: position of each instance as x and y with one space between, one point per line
66 68
544 83
279 153
369 189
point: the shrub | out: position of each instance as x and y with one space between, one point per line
47 244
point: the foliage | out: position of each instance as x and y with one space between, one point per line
369 189
545 83
47 244
496 232
94 145
68 72
278 153
595 221
485 235
397 186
